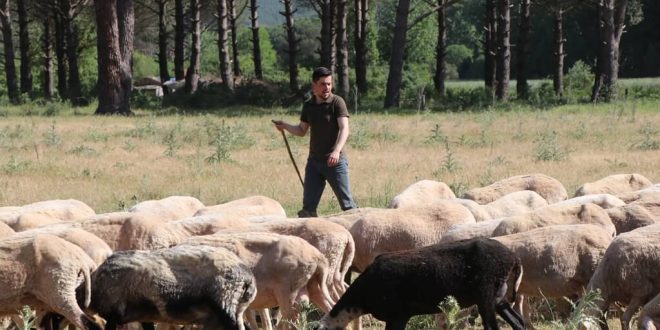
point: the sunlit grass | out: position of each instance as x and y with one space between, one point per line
112 162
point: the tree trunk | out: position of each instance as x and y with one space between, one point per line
293 45
71 37
10 67
162 42
126 26
361 21
47 69
231 19
490 49
24 45
223 47
327 42
396 59
60 54
341 41
611 14
179 40
109 59
503 49
522 87
558 79
440 51
192 75
256 46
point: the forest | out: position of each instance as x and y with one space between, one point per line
213 53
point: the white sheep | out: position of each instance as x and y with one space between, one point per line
614 184
421 193
549 188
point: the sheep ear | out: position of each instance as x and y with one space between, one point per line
583 211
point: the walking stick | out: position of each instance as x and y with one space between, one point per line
288 148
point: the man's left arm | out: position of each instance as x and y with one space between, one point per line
342 136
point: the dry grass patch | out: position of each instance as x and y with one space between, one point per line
110 162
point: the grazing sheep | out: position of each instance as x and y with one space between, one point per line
515 203
558 260
643 211
628 272
459 232
50 211
399 285
605 201
387 230
615 184
555 215
169 208
115 228
246 207
181 285
421 193
287 268
43 271
5 230
331 239
93 246
632 196
549 188
479 211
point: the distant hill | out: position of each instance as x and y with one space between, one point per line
269 12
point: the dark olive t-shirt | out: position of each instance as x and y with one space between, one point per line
322 120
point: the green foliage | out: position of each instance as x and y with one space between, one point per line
452 313
421 37
578 81
648 141
456 55
28 318
52 139
223 139
268 54
144 65
437 136
83 150
15 165
449 162
547 147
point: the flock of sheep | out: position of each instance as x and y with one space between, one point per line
176 261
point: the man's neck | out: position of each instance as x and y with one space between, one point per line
319 100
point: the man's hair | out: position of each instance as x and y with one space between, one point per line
320 72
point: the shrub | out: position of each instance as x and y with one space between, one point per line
578 81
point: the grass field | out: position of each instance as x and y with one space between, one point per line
111 163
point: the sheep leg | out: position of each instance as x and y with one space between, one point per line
510 316
266 320
633 306
288 308
251 317
488 317
650 313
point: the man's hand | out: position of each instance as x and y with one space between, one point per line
278 124
333 158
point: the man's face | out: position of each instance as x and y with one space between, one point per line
322 88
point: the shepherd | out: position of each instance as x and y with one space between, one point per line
326 115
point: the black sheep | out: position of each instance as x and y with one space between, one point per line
399 285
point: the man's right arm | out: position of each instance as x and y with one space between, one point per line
297 130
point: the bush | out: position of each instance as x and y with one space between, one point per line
578 81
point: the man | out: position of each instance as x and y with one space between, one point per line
327 117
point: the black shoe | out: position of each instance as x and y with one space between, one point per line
307 214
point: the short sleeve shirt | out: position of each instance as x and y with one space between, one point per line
322 120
